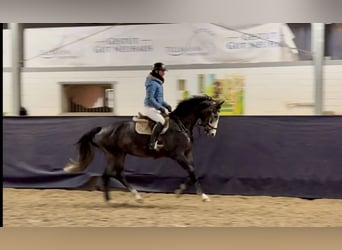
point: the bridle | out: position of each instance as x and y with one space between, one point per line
207 125
209 118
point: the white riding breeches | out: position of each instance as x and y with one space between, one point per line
154 114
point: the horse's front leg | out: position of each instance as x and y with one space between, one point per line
182 187
186 161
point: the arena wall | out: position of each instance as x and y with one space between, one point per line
251 155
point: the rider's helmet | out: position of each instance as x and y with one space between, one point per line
159 66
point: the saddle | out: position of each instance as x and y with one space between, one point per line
144 124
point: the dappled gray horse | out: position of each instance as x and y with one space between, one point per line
119 139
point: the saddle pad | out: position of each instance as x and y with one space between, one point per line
142 126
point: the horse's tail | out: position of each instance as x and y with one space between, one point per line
85 152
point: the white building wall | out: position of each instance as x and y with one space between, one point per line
333 88
7 92
286 90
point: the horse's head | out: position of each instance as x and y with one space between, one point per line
210 115
202 107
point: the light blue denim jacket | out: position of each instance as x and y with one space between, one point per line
154 93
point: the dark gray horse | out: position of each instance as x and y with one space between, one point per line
119 139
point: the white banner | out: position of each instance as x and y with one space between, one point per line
195 43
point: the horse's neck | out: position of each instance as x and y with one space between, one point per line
188 121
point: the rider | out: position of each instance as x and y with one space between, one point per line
154 101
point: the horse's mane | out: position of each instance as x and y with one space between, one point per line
187 105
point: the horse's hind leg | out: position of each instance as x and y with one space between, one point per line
117 173
106 176
120 177
105 180
182 187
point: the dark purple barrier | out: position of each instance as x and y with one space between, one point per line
277 156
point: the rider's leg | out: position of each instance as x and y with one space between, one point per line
158 127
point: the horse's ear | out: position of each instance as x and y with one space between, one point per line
220 103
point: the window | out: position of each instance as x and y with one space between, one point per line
302 33
333 41
87 98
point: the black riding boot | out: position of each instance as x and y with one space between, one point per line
158 127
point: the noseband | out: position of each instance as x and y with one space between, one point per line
207 126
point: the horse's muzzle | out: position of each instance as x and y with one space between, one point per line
212 132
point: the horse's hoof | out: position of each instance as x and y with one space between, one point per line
139 200
178 193
106 198
180 190
205 197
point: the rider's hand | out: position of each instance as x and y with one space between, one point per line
162 110
169 108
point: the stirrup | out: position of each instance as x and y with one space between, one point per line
155 146
151 146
